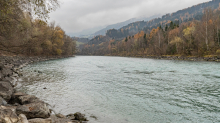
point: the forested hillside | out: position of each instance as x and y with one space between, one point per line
191 38
181 16
24 29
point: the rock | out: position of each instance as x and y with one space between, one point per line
84 122
40 72
8 116
6 90
20 74
1 76
15 97
75 121
93 116
27 99
70 116
2 101
60 116
23 118
59 120
38 120
1 66
7 72
34 110
44 88
80 117
13 108
8 79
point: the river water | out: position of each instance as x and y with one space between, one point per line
128 90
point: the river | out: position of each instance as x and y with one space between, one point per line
128 90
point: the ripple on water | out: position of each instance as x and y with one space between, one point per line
128 90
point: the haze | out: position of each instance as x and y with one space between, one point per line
80 15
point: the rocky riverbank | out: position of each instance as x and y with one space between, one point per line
18 107
173 57
187 58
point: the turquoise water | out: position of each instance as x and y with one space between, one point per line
128 90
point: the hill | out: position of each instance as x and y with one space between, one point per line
178 17
121 24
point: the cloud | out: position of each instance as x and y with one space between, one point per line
77 15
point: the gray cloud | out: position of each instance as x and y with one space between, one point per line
77 15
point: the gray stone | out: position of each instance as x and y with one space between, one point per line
15 97
1 76
23 118
80 117
8 116
27 99
60 116
39 120
34 110
70 116
6 90
7 72
2 101
13 108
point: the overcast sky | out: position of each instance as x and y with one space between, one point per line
77 15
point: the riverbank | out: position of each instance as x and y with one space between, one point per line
187 58
212 58
18 107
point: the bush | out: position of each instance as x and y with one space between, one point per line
218 52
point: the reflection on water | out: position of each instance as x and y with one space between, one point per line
128 90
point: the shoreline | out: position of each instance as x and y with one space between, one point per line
19 107
170 57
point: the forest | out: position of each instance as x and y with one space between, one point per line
24 29
191 38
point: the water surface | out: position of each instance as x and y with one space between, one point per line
128 90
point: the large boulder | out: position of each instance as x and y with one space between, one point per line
6 90
15 97
34 110
8 116
27 99
39 120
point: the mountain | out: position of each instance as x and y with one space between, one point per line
121 24
178 17
88 33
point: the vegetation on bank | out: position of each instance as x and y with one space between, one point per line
24 29
192 38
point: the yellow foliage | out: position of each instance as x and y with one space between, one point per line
188 31
176 40
59 51
218 52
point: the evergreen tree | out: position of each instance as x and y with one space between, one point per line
126 39
166 28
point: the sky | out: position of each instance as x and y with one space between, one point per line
80 15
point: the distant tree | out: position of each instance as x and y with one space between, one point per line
166 27
126 39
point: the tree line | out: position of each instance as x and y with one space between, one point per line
24 29
193 38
